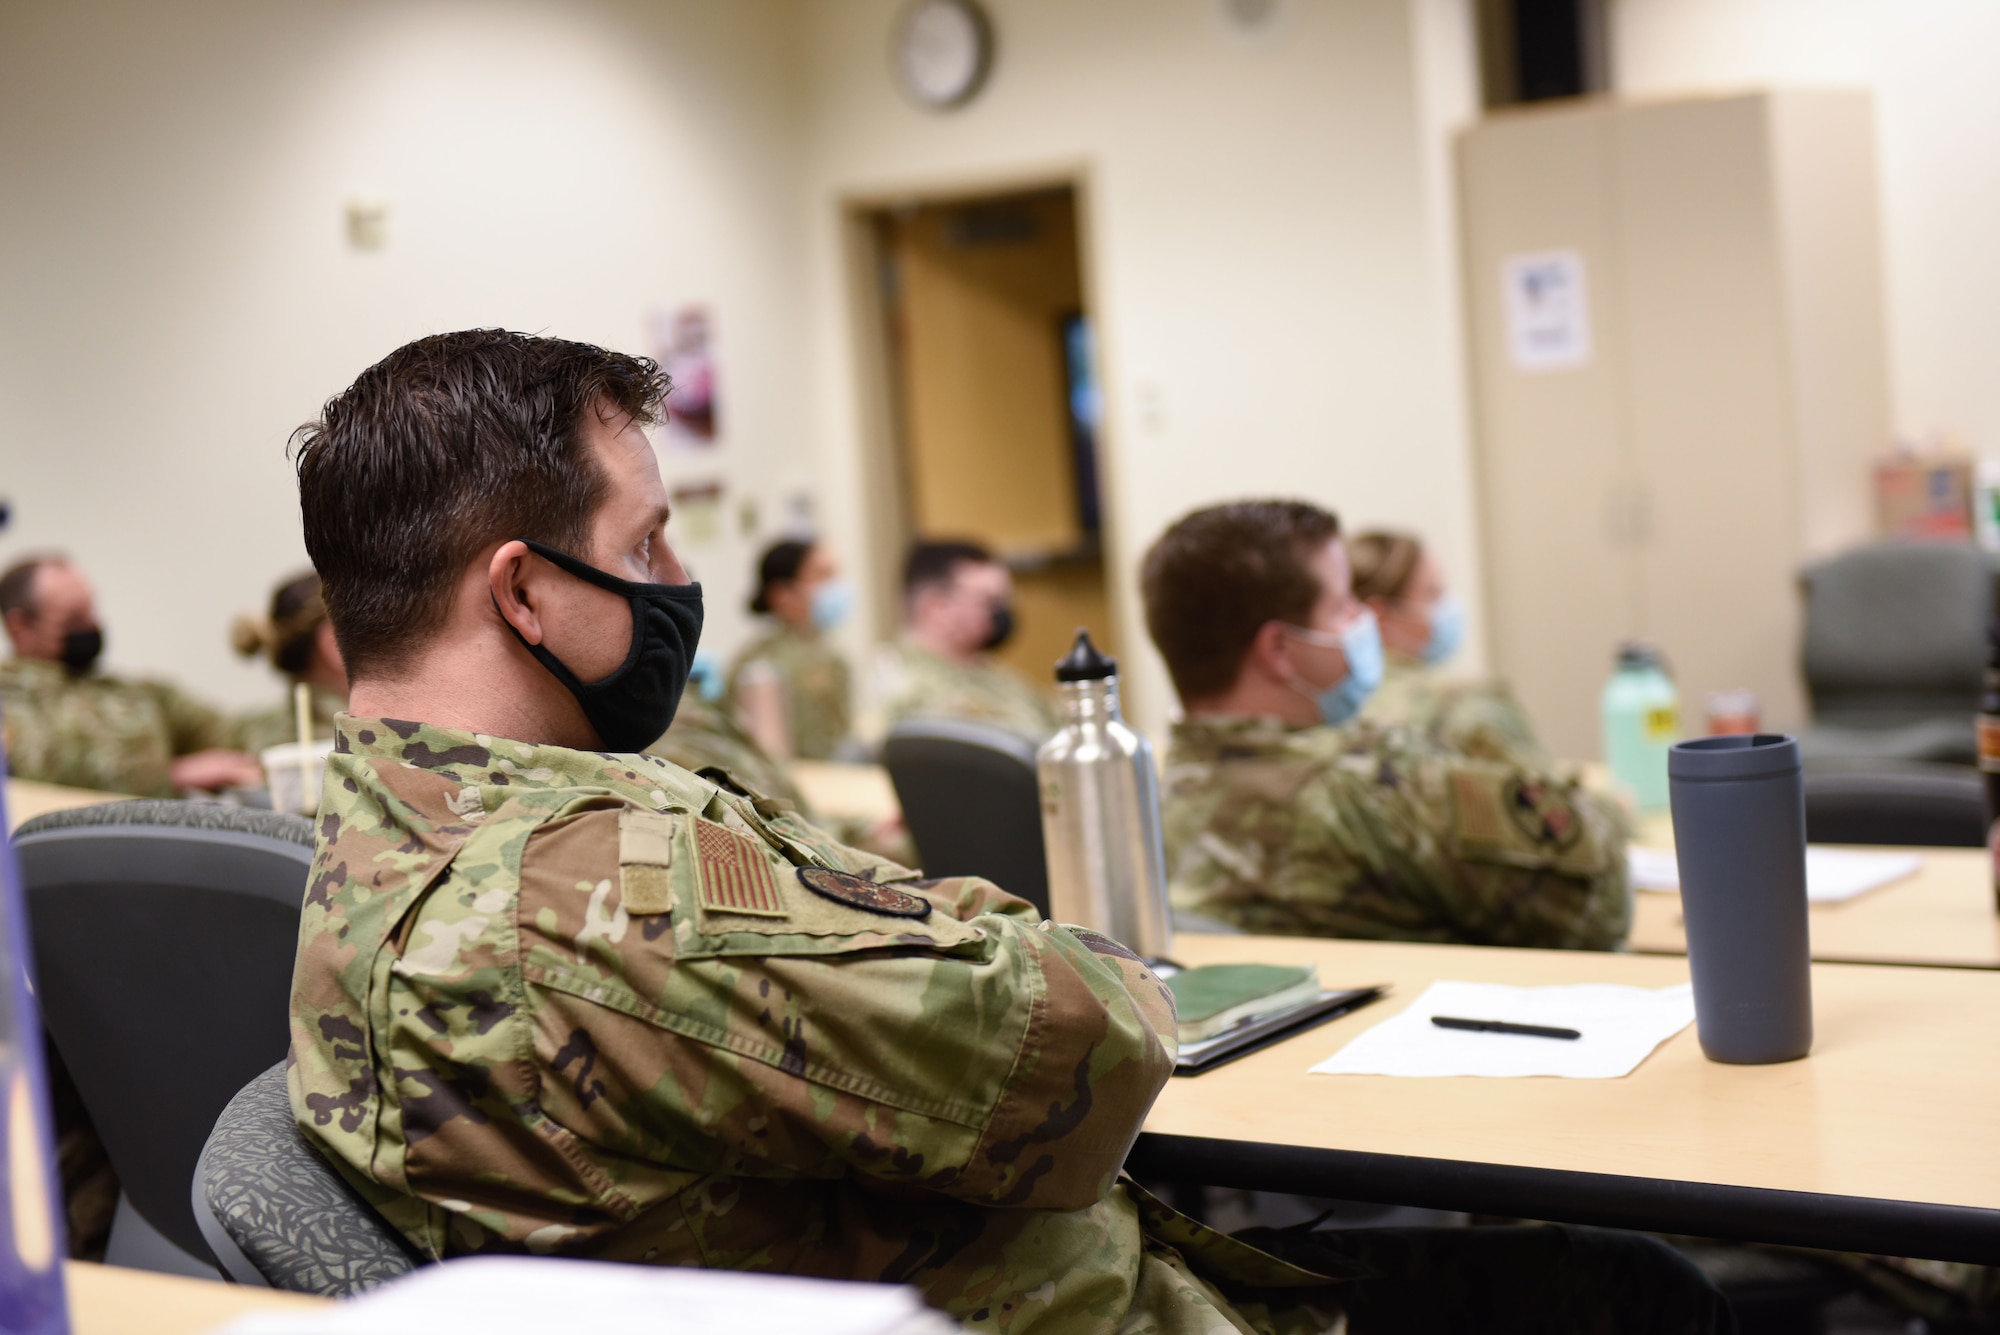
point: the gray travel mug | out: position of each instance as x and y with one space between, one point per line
1740 836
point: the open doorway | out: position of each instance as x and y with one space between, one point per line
985 358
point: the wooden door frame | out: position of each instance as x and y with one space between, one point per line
882 494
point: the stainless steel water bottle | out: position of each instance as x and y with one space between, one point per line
1101 812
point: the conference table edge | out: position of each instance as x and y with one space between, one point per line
1883 961
1750 1214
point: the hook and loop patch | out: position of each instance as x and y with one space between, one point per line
861 893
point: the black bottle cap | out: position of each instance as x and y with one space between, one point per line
1084 663
1639 654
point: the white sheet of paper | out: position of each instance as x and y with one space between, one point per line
1620 1027
516 1293
1832 874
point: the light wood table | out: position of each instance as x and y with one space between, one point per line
26 800
1943 915
857 792
1885 1139
110 1300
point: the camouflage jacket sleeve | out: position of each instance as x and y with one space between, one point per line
1484 719
697 1005
1519 857
1433 847
191 725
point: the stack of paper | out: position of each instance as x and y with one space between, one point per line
1620 1026
1832 874
483 1294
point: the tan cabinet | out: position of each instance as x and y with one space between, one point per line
1675 315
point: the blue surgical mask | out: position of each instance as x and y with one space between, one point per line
831 602
1447 630
1361 644
706 675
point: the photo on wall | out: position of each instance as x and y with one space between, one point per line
681 341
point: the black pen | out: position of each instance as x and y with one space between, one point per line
1503 1027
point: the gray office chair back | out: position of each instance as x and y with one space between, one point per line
1938 805
163 935
970 798
1895 642
277 1214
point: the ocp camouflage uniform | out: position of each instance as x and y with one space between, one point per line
924 686
592 1005
704 737
1476 717
818 689
99 731
280 722
1364 832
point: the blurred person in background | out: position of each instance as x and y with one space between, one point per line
1423 625
65 722
705 737
957 608
1285 813
792 689
298 640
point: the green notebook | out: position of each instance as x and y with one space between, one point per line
1217 997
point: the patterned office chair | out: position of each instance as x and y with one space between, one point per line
277 1214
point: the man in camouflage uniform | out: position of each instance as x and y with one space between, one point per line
1276 821
956 608
64 722
559 997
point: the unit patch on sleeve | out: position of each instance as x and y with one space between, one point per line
859 892
735 873
1543 813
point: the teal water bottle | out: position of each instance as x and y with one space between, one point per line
1642 719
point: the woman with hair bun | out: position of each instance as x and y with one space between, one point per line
791 689
1422 626
298 640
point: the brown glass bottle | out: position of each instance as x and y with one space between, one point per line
1989 751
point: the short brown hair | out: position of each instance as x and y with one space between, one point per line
1215 577
445 446
17 584
1383 563
931 564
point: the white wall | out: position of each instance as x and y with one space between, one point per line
1266 229
1269 228
1929 64
176 291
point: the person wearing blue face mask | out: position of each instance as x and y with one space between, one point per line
790 688
1287 810
1423 625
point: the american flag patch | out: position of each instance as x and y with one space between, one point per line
735 873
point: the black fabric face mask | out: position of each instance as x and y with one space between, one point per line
80 650
633 706
1003 626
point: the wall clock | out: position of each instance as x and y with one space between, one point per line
943 51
